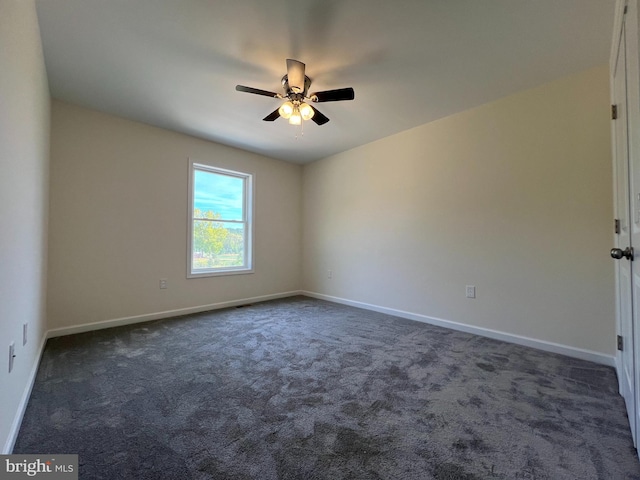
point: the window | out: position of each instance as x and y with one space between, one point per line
220 233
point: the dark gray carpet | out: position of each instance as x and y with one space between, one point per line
306 389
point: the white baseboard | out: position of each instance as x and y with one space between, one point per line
117 322
24 401
567 350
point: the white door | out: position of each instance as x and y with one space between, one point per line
623 252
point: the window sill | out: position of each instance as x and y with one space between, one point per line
219 273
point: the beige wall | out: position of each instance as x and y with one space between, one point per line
119 220
514 197
24 163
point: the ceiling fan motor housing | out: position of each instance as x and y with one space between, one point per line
291 91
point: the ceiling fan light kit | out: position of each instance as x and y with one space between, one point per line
294 112
296 87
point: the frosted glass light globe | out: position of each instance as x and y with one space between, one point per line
306 111
286 110
295 118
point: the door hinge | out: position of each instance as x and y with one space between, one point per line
614 112
620 343
616 226
625 9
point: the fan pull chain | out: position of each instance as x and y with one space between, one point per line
301 130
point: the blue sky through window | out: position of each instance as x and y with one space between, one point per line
220 193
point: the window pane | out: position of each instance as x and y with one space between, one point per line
218 196
217 244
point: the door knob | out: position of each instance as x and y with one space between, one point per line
618 253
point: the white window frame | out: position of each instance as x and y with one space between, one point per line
247 211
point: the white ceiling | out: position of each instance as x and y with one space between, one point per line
175 63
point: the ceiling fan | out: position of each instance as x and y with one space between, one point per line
296 86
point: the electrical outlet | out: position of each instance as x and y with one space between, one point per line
163 283
471 291
330 274
24 333
12 355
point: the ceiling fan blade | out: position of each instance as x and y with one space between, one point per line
295 75
334 95
272 116
257 91
318 117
